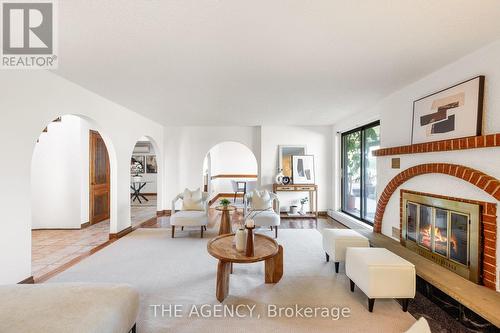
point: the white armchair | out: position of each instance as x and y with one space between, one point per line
268 217
190 217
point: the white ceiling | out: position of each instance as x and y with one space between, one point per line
253 62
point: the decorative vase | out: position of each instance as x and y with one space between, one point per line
279 178
137 179
240 238
302 212
293 210
249 246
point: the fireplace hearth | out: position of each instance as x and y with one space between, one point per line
444 231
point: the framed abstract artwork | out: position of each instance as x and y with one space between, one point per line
454 112
285 158
303 169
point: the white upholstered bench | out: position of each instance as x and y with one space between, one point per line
68 307
336 241
379 273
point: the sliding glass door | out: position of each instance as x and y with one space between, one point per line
359 172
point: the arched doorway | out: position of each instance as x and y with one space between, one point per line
71 192
145 182
229 170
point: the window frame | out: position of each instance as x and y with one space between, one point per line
362 171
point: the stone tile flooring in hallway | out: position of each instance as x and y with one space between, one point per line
51 249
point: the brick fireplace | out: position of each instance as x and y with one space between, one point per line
488 229
480 252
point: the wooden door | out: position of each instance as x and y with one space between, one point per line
99 179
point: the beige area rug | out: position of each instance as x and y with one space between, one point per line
180 272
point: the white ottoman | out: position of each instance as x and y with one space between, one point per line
336 241
379 273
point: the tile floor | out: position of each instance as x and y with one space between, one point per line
52 249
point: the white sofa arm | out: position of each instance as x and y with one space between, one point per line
276 207
204 198
179 196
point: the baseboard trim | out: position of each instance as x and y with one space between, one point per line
29 280
85 225
323 213
121 233
38 229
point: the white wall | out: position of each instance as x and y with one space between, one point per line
56 174
395 112
29 101
60 175
230 158
186 148
318 142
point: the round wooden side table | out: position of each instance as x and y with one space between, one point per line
265 249
225 220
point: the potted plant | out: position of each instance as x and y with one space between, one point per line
224 202
303 201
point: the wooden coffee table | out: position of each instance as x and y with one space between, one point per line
265 249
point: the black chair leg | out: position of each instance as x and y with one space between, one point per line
134 329
173 231
337 264
327 257
405 302
182 228
202 231
276 232
352 285
371 302
234 199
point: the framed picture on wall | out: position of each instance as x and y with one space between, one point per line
151 166
285 153
137 163
454 112
303 169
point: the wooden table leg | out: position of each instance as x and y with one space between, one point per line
225 223
222 288
274 267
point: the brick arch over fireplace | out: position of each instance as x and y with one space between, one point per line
477 178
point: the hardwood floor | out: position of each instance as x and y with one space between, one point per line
237 217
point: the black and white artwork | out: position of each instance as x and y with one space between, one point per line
137 164
451 113
151 165
303 169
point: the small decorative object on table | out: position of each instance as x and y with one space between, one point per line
225 202
240 239
249 225
285 180
293 210
303 201
279 177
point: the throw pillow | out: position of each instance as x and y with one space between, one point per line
192 200
261 200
